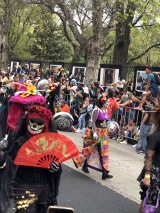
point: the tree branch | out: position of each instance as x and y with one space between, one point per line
139 18
63 20
110 26
109 46
142 54
68 15
145 25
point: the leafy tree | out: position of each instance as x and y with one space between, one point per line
99 14
133 14
4 32
49 41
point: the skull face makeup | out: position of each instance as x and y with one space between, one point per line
35 127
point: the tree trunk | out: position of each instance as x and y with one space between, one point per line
78 50
121 47
96 45
94 56
4 31
123 29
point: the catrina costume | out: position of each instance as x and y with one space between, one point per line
24 96
21 127
34 188
150 196
95 152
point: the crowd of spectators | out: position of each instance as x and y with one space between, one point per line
67 95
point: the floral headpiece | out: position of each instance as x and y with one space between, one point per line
52 87
27 94
40 113
25 90
40 110
103 99
30 90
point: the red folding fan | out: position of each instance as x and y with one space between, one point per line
42 149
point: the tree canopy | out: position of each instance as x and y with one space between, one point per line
90 31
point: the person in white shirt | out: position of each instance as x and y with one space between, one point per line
120 84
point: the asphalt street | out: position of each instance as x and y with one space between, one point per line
87 193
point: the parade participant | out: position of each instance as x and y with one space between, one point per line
95 152
150 175
25 95
34 188
54 89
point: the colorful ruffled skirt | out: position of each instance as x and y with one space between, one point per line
95 153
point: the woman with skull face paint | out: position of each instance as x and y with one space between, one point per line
34 188
95 152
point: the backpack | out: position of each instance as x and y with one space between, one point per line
157 78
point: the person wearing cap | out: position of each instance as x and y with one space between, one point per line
149 178
151 88
74 81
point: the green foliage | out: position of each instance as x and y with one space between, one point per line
36 34
49 40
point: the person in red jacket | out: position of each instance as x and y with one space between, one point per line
113 105
62 107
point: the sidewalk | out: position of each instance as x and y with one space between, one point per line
125 165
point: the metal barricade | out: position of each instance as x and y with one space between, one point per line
123 117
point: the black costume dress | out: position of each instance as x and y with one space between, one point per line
34 189
151 195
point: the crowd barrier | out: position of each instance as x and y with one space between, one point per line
129 120
121 116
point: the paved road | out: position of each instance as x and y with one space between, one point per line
89 194
86 195
125 165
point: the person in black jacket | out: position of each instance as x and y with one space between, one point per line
54 94
150 175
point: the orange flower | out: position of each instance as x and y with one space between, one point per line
24 94
31 90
